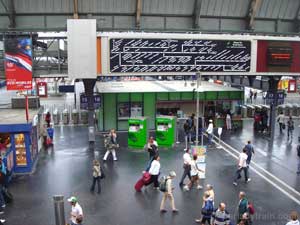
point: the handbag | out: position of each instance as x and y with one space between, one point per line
102 176
283 126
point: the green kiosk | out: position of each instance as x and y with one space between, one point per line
165 130
137 132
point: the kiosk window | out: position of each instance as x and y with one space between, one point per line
123 110
20 150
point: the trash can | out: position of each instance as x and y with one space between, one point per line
84 116
250 111
75 116
65 116
55 117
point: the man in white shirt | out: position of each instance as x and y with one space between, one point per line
154 171
294 219
280 120
242 165
186 166
76 212
210 131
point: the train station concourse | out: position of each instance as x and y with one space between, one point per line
149 112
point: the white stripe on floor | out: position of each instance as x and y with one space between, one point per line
263 176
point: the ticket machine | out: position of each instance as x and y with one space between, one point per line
137 132
165 130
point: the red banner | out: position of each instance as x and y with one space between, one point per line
18 63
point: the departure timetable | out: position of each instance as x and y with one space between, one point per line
180 55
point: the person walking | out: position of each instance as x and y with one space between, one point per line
294 219
186 166
210 131
211 191
48 119
97 174
2 185
111 145
154 172
76 211
220 216
207 209
298 154
44 133
194 175
242 166
280 120
249 151
228 120
290 128
168 194
152 148
242 206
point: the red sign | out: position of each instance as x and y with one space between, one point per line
18 63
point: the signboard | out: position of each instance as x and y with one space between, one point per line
18 62
271 98
181 55
84 101
200 151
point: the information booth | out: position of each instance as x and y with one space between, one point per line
20 140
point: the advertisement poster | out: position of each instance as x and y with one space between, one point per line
200 151
18 63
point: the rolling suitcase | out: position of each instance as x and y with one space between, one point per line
139 185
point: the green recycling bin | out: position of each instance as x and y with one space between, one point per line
165 130
137 132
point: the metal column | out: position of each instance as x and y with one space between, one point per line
59 210
273 87
89 91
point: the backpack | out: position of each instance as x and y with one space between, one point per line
208 207
251 208
298 150
163 184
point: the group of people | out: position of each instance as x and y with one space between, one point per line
189 128
282 125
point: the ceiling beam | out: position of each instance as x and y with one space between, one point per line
4 5
297 20
196 14
138 14
252 10
12 14
75 12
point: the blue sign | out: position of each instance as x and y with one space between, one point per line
84 101
178 55
272 97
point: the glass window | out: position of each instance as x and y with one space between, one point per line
123 110
20 150
136 109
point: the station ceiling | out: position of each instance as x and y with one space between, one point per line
271 16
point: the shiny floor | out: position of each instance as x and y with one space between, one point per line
66 170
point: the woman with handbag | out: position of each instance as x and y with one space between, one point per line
194 175
112 145
97 175
207 209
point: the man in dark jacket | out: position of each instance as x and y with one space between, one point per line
243 205
250 150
